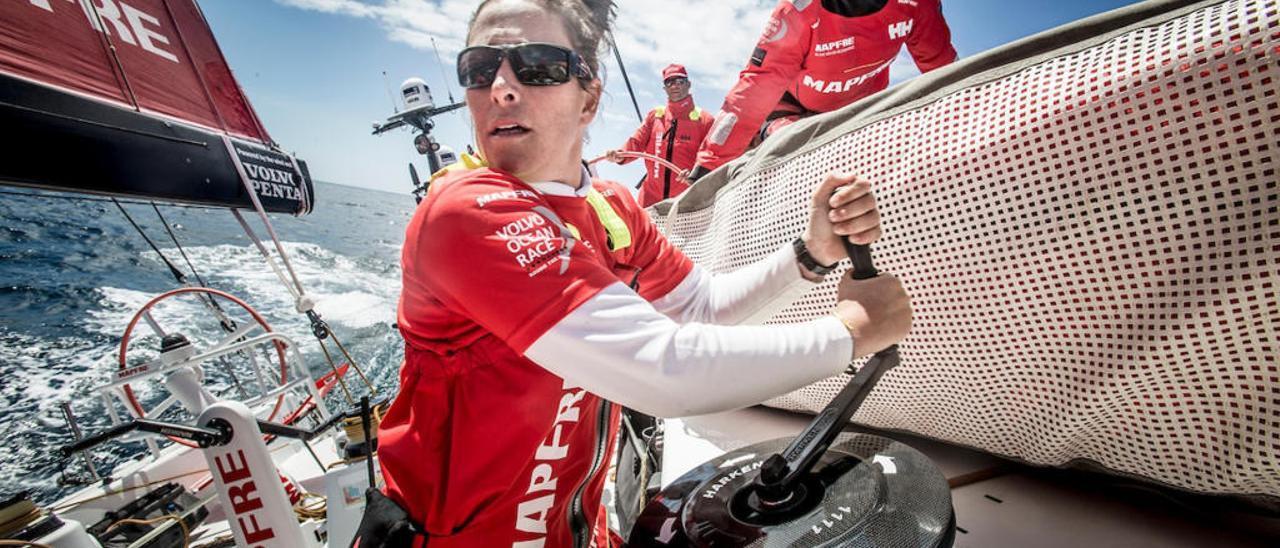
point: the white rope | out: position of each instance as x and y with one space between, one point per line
300 294
266 255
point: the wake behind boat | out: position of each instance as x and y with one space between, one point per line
152 114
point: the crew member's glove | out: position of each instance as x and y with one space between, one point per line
696 173
384 525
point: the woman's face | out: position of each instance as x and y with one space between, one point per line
532 132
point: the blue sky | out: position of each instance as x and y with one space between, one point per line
314 68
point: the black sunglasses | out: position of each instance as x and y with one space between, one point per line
535 64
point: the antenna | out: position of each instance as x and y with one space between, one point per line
618 55
448 88
387 84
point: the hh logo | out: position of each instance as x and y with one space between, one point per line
901 29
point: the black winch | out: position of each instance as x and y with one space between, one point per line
824 488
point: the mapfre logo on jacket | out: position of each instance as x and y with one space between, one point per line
540 497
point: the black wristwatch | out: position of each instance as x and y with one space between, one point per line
807 260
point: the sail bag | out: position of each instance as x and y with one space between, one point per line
1087 223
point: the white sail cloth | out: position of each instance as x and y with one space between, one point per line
1087 221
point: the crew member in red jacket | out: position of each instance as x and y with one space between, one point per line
672 132
817 57
538 299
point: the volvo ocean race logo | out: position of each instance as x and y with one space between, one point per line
537 239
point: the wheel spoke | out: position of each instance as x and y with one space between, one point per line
155 327
161 408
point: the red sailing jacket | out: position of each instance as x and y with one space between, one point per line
825 61
482 446
689 124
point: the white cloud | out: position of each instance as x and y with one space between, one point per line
410 22
712 39
344 7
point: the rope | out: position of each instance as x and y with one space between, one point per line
186 533
317 510
262 213
645 156
227 323
352 361
265 254
320 329
165 223
177 274
18 523
354 426
346 392
335 464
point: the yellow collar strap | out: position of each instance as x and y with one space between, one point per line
695 113
616 229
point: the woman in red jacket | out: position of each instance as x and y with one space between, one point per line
537 299
817 57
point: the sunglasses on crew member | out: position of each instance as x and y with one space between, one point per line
534 64
675 82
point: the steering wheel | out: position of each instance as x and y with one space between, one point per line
258 324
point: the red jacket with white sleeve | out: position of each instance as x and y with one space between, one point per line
530 311
825 61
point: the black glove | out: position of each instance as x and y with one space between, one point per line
697 172
384 525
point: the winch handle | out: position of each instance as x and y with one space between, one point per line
203 437
863 267
782 471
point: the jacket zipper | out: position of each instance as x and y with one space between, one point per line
671 144
577 519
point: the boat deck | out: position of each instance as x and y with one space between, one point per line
1000 503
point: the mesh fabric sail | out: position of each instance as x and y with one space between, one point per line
1087 222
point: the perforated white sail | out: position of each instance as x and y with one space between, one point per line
1088 222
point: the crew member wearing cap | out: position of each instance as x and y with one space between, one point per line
817 57
672 132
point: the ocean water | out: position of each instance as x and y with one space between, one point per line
73 273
